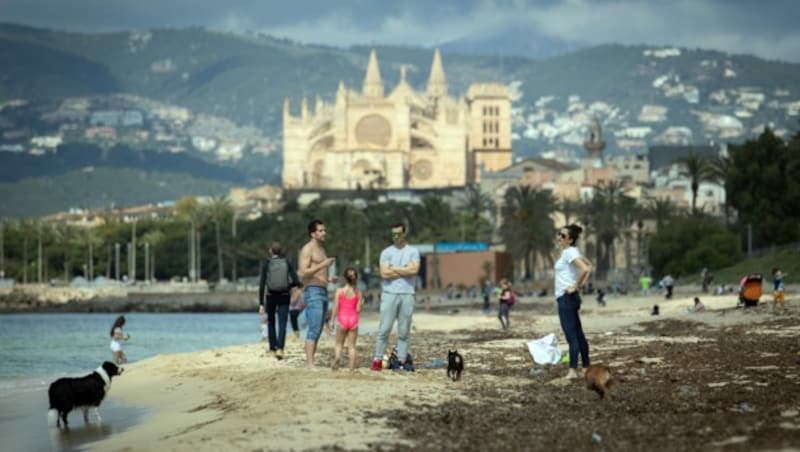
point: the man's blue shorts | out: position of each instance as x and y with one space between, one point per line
316 300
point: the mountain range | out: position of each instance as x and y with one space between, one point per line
214 100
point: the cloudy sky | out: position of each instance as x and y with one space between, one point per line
767 28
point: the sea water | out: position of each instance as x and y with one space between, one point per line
35 349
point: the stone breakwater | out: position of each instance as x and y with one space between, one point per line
39 299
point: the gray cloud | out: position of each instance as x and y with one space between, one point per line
766 28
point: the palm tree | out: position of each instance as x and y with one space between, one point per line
25 229
662 210
219 211
430 220
91 240
528 225
2 248
153 238
65 234
477 204
569 208
717 171
189 209
106 232
697 170
609 214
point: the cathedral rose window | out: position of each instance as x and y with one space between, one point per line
422 170
373 130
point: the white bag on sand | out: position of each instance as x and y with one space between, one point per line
545 350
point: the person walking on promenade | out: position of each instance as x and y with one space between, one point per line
313 268
506 301
488 291
347 305
571 273
118 356
278 277
668 282
399 265
644 283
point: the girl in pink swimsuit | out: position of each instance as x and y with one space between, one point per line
346 305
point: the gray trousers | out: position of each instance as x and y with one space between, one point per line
398 307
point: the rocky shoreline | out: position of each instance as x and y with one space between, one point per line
24 301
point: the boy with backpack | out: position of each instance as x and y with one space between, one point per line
278 277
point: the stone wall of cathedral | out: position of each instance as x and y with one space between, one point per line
406 139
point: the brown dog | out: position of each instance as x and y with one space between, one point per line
598 378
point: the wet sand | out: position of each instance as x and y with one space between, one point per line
23 424
721 379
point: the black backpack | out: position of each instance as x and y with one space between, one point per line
278 275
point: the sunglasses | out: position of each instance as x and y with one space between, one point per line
396 234
561 235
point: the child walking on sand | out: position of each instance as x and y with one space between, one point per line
295 308
778 288
347 305
117 335
264 325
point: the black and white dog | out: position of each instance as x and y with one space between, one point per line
455 364
67 394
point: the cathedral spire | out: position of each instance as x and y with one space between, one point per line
373 85
318 104
437 83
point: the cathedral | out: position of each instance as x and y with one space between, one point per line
367 139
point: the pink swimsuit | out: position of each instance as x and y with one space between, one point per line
347 314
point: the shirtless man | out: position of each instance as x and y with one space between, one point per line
313 271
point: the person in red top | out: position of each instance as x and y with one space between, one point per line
347 305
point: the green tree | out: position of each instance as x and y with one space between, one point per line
687 244
528 228
610 214
662 210
762 185
430 221
698 170
478 207
219 212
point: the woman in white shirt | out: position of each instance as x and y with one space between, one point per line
571 273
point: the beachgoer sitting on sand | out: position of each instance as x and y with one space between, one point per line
698 306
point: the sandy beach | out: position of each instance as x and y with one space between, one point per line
725 378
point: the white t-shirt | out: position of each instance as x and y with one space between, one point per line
566 272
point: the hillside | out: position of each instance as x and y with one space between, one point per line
218 97
99 188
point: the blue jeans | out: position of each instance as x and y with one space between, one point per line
398 307
569 306
279 303
316 300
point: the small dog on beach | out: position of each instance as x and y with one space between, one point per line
455 364
67 394
598 378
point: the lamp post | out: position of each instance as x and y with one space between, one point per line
192 265
233 253
116 261
147 262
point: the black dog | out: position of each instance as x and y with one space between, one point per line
455 364
84 392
